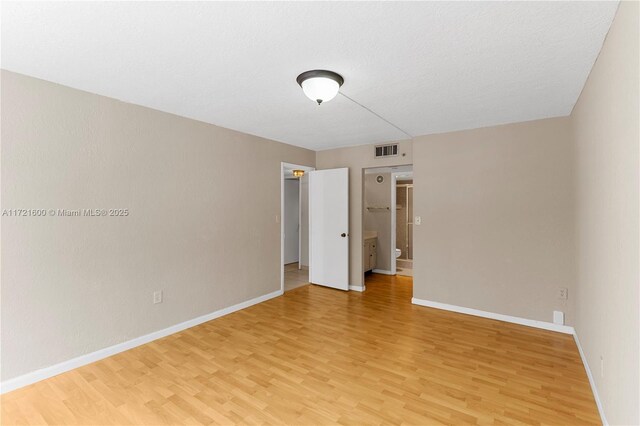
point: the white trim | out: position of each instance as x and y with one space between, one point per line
357 288
591 380
382 271
500 317
54 370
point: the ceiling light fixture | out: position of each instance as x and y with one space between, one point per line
320 85
298 173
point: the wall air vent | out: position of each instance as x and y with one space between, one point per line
390 150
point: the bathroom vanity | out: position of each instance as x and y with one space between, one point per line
369 252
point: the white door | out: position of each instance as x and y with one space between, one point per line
329 228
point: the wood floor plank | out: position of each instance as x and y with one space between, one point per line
322 356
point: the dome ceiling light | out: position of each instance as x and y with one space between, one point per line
320 85
323 85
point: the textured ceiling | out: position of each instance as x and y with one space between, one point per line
427 67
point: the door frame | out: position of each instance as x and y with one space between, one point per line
394 218
286 166
406 187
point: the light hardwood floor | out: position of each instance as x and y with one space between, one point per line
294 277
321 356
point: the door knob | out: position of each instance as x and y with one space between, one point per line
343 235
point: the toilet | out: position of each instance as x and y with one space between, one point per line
398 253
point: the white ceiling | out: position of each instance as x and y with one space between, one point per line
427 67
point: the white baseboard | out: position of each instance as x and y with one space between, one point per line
591 380
382 271
357 288
500 317
54 370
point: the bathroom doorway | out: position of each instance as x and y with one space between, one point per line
387 246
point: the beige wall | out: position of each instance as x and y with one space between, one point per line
356 159
496 207
605 133
379 195
72 285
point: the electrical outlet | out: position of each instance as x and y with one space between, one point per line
558 317
157 297
563 293
418 220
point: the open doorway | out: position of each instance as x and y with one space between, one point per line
294 226
387 245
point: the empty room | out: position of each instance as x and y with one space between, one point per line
318 213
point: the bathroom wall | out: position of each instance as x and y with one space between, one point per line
379 195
